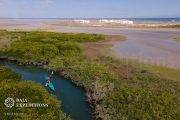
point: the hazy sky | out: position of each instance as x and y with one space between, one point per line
88 8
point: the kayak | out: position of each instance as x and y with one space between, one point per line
50 85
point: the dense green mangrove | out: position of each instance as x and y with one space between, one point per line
115 89
12 85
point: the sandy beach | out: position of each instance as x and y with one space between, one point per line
152 45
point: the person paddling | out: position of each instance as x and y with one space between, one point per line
48 83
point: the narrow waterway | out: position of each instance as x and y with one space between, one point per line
73 98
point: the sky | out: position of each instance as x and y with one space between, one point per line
89 8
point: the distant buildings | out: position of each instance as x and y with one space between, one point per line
82 21
112 21
116 21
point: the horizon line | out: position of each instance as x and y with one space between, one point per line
91 18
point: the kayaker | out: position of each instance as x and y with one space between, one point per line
48 83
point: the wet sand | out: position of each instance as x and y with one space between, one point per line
157 47
153 45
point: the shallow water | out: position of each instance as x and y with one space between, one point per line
73 98
148 45
151 46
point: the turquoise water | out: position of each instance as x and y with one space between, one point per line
73 98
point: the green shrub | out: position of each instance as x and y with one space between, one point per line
120 90
12 86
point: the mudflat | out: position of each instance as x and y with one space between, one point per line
152 45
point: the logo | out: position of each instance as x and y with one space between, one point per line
22 102
9 102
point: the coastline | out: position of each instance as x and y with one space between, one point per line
58 25
158 39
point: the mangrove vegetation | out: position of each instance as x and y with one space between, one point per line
11 85
116 90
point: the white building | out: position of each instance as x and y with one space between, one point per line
116 21
82 21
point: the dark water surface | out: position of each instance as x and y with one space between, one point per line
73 98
